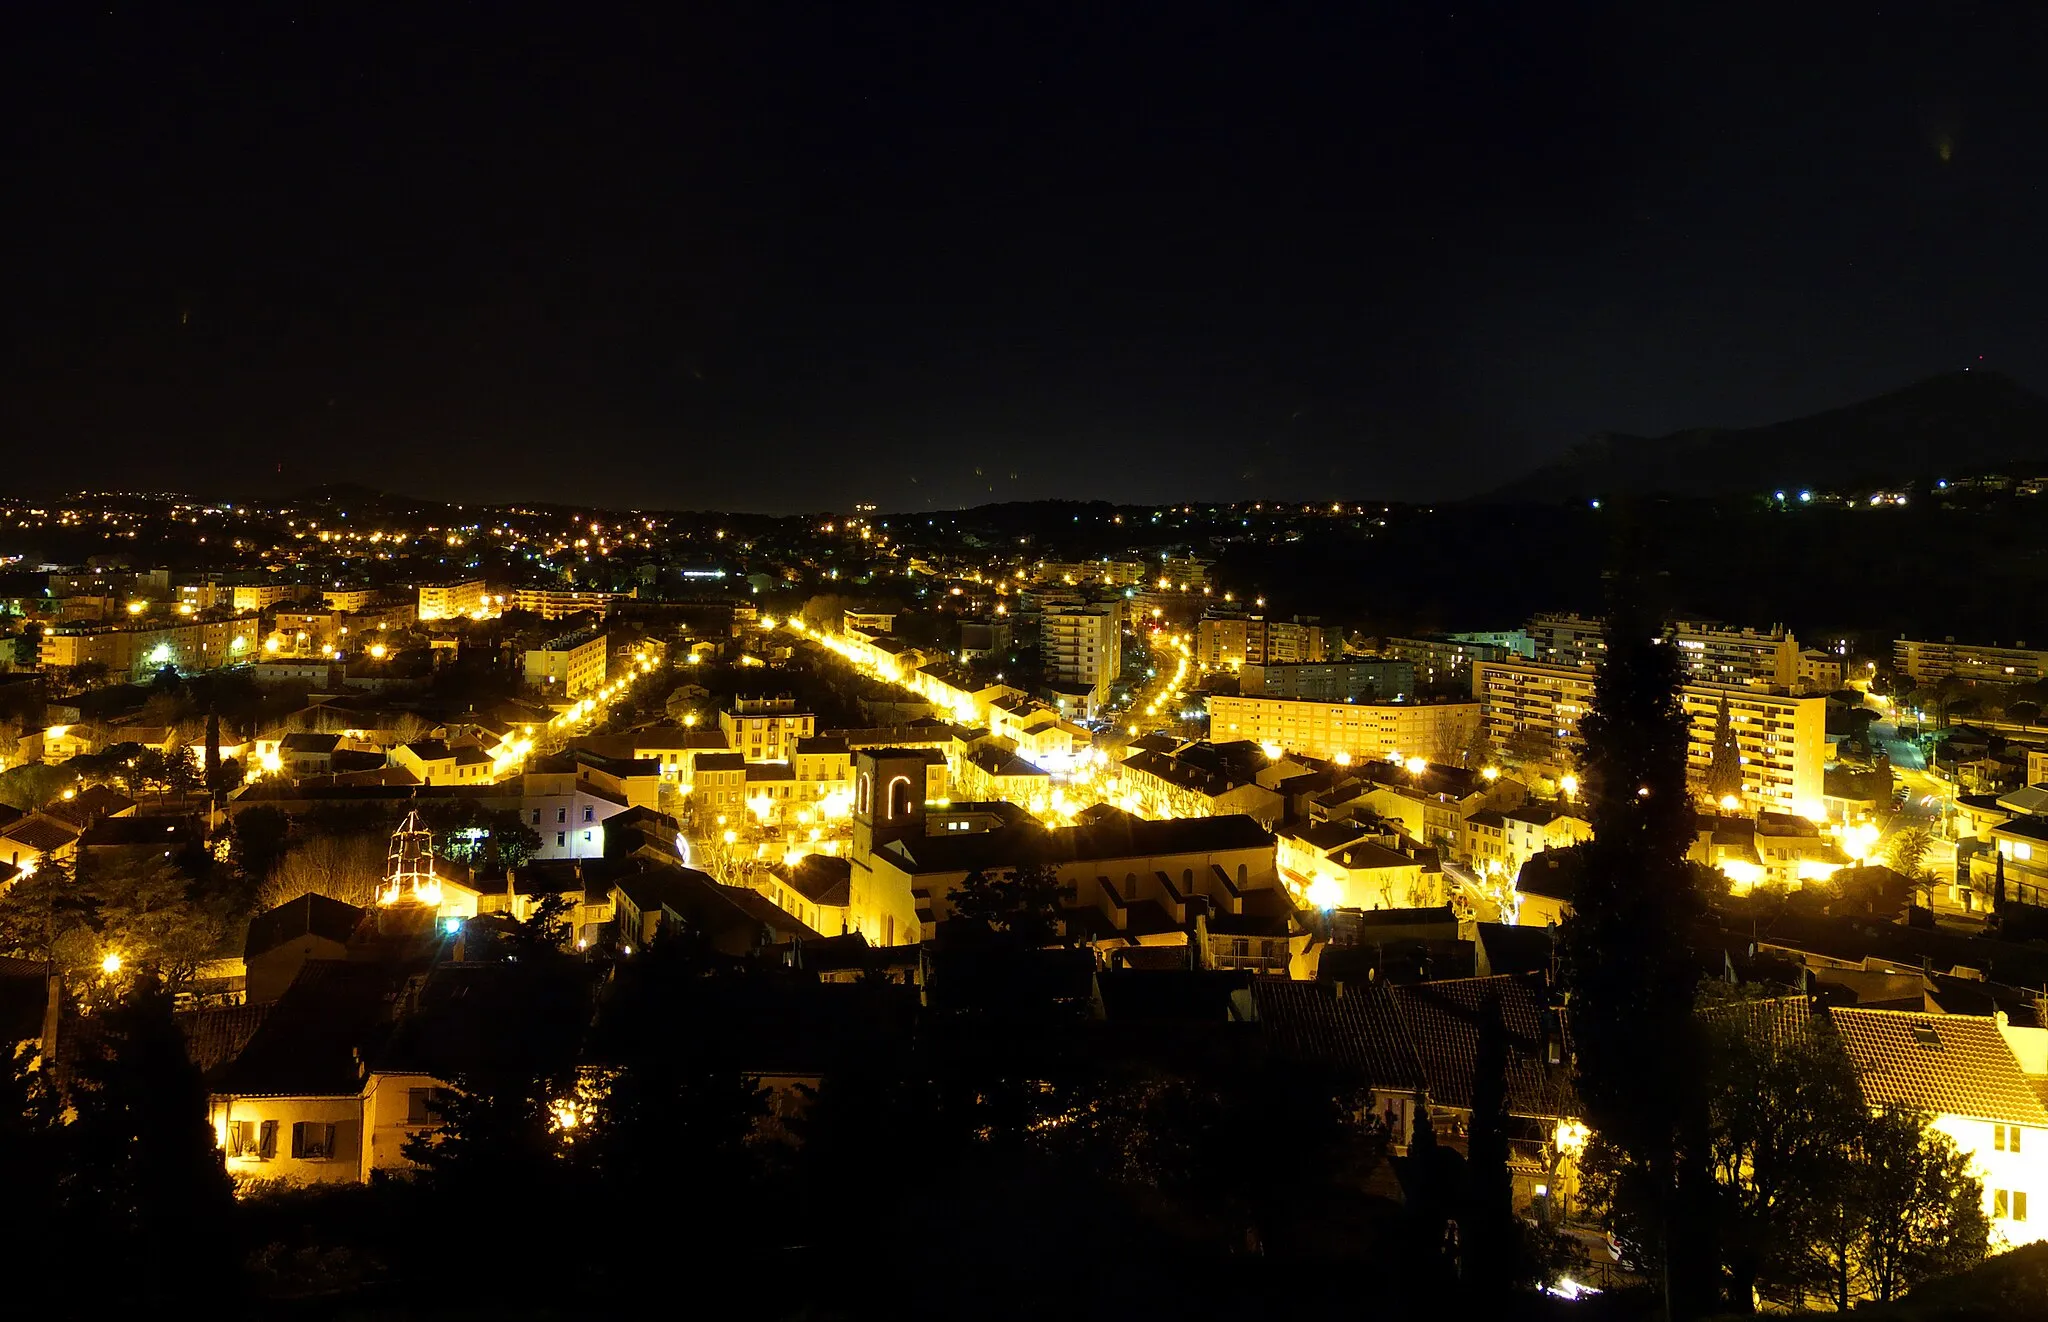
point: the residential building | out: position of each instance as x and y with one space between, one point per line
434 762
138 650
555 603
252 598
1564 639
1387 680
1200 780
570 666
348 599
1108 573
1962 1072
1434 731
441 601
1498 843
1228 643
1533 711
1441 662
1925 662
1821 672
1358 865
766 729
1082 646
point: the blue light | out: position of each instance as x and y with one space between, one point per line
451 925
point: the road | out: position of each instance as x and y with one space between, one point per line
1151 706
1485 902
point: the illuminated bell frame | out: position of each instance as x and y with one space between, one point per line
409 874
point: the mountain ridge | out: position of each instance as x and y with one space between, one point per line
1956 423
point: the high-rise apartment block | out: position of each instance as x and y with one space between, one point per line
1926 662
1533 714
1233 642
1082 646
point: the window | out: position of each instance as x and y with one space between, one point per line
421 1104
2019 1204
1999 1203
312 1140
241 1138
561 839
561 815
586 837
588 814
536 817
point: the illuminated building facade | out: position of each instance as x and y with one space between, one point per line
1533 712
1431 730
766 729
142 649
440 601
1229 643
1082 646
569 666
1925 662
555 603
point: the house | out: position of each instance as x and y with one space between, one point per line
283 939
24 844
736 920
1961 1071
435 762
308 753
816 890
1544 888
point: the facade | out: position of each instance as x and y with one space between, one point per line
1231 643
1430 730
1441 661
571 666
252 597
1962 1072
554 603
1331 681
766 729
348 599
1925 662
1563 639
1533 711
133 650
1820 672
1082 646
1108 573
441 601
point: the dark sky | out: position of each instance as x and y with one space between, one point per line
776 256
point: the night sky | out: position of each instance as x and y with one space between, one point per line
778 257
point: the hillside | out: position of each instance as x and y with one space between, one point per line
1961 423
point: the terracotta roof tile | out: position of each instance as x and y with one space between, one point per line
1941 1064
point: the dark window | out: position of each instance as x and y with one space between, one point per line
561 814
589 814
420 1104
561 839
312 1140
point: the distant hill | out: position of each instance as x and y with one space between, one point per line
1958 424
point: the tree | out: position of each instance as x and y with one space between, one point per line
1724 771
1021 908
144 1181
47 918
2023 712
260 835
1494 1258
30 787
345 867
1922 1211
1624 948
1786 1115
1908 852
145 914
212 765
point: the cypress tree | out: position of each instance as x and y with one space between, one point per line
1724 773
212 750
1492 1247
1624 948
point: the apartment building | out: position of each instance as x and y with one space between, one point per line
1713 653
766 729
1331 681
571 665
1563 639
252 597
1082 646
1430 730
1438 662
441 601
141 649
1073 573
1926 662
348 599
1533 711
1231 643
556 603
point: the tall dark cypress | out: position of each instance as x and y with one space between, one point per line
1724 772
1624 948
212 750
1492 1258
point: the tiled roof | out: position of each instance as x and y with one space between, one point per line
43 834
1941 1064
1444 1018
1350 1028
309 915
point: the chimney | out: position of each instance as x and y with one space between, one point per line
1337 989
